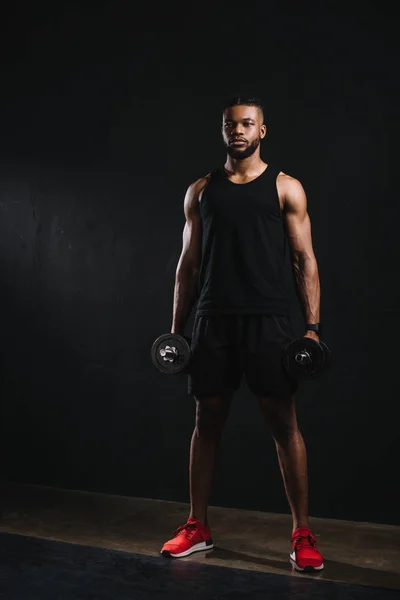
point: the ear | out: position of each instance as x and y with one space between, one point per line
263 131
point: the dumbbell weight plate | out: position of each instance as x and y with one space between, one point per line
304 358
170 353
327 356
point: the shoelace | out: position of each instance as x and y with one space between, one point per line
188 530
303 541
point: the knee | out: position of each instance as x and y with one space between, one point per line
283 432
282 427
280 418
210 421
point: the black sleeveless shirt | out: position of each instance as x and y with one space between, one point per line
243 247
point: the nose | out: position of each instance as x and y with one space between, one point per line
238 129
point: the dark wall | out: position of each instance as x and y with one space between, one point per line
106 116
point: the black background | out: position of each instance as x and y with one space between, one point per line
107 113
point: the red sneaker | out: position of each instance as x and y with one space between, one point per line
305 555
189 538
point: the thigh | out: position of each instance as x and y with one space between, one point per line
265 339
214 366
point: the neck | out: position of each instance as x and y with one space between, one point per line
249 165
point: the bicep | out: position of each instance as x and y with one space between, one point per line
192 231
297 221
191 241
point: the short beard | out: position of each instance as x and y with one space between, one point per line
242 154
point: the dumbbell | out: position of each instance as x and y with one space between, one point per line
170 353
305 358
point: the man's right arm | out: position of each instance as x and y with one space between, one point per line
187 271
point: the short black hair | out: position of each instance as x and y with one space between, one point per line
244 100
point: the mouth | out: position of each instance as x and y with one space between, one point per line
237 143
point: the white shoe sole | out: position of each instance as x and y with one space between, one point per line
306 569
196 548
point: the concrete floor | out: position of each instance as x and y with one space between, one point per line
358 553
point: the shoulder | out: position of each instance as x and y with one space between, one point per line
291 191
195 191
197 187
288 183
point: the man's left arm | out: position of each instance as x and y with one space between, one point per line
304 263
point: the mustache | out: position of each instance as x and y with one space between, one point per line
232 140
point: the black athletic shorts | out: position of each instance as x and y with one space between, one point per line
226 347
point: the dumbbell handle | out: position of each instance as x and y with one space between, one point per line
303 357
169 353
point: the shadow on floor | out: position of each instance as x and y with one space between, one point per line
42 570
333 569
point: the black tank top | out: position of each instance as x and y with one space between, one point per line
243 247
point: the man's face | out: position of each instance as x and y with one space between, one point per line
242 130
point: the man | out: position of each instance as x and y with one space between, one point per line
239 221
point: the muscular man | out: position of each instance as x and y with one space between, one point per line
240 221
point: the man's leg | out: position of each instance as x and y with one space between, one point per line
280 416
211 414
195 534
213 377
